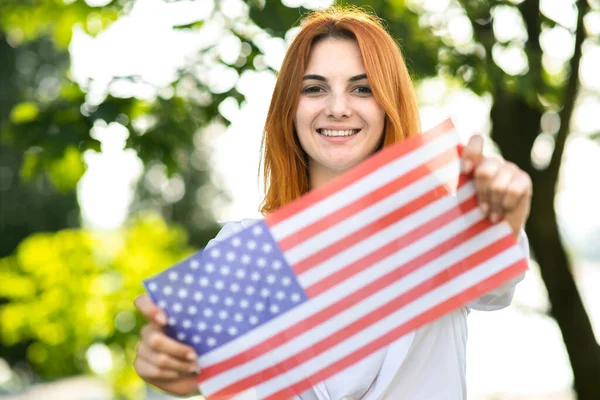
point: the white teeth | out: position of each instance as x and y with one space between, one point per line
328 132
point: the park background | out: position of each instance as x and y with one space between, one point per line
130 129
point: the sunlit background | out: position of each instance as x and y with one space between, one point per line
516 353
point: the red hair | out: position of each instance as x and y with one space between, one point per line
284 162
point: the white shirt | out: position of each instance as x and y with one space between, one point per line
426 364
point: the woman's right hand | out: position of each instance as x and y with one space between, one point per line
161 361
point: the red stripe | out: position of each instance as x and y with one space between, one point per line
451 304
381 158
397 244
352 298
374 227
370 198
381 312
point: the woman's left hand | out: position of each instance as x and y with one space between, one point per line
503 189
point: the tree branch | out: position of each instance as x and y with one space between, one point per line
570 94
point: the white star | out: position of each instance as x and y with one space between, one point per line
255 276
240 273
189 279
181 336
219 285
264 292
280 295
198 296
276 265
251 245
167 290
211 341
245 259
229 301
204 281
253 320
234 287
213 298
271 279
162 304
259 306
285 281
261 262
196 339
224 270
177 307
238 317
173 276
208 312
201 326
244 303
236 241
230 256
295 297
182 293
210 267
186 324
194 264
172 321
217 328
152 286
215 253
274 308
250 290
257 230
232 331
192 310
223 314
267 248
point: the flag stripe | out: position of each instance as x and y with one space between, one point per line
394 246
217 358
358 188
370 320
392 223
400 183
460 299
353 306
330 263
383 157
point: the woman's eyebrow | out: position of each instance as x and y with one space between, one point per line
322 78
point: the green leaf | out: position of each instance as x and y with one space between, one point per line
191 26
24 112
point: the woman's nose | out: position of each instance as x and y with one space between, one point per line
338 106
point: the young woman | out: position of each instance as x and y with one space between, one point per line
344 92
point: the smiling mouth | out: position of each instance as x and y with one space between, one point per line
336 133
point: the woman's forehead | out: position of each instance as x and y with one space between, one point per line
333 57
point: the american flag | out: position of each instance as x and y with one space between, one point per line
391 245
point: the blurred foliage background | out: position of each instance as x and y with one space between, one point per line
66 289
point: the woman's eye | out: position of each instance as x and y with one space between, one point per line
312 89
363 89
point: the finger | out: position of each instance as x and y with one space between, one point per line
472 153
149 371
164 361
158 341
483 174
149 310
498 190
518 189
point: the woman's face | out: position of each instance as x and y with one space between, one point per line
338 121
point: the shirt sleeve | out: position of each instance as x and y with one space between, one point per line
502 296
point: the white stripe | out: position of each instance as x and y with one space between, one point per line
367 306
381 238
373 212
406 313
304 310
366 184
